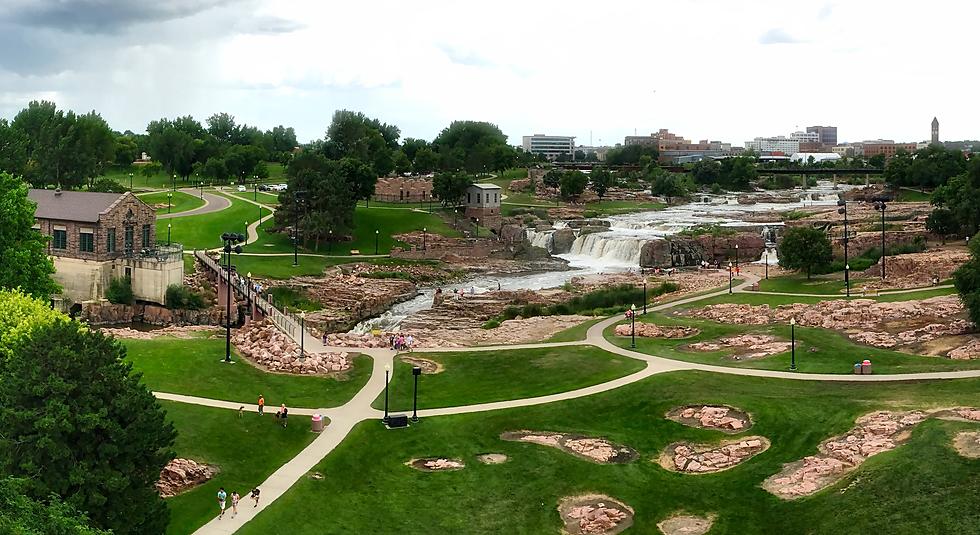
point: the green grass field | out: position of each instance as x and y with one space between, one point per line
182 202
574 334
920 487
817 350
245 450
482 376
750 298
908 195
204 231
193 366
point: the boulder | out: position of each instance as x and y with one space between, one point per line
562 240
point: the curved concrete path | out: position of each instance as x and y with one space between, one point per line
358 409
212 203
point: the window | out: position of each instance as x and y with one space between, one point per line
60 239
469 200
128 243
146 236
110 245
86 241
477 198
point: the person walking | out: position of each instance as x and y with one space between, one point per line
255 496
283 414
222 496
261 405
234 503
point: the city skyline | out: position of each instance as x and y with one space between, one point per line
767 70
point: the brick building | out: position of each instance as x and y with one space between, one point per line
483 203
403 189
886 147
97 237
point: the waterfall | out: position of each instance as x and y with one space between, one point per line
768 256
544 240
607 248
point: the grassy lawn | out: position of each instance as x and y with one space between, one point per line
821 284
204 231
920 487
574 334
245 450
285 296
193 366
817 350
182 202
908 195
622 207
281 267
749 298
482 376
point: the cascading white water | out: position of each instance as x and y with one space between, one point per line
768 256
544 240
605 248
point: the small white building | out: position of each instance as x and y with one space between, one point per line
483 201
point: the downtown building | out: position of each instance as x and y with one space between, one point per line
550 146
674 148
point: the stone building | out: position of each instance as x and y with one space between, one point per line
98 237
403 189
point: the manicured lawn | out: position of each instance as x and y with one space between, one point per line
750 298
817 350
204 231
182 202
908 195
574 334
825 284
921 487
483 376
193 367
245 450
281 267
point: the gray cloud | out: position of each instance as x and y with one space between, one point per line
267 25
101 16
777 36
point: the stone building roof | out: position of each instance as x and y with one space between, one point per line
73 205
485 186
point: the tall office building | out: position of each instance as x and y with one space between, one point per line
935 130
550 146
828 134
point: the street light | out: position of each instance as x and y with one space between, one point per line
644 295
632 326
330 241
175 182
170 197
736 256
416 372
478 227
730 277
387 372
847 279
231 245
248 290
377 235
168 234
766 256
297 201
246 232
202 190
792 334
424 230
302 334
130 181
881 206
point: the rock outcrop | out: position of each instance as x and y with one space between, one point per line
106 313
265 345
436 464
185 331
597 450
594 515
690 251
682 524
182 474
916 270
968 351
651 330
562 240
708 458
746 346
719 417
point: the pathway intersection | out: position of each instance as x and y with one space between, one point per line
344 418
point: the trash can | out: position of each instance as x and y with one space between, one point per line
316 424
866 367
857 368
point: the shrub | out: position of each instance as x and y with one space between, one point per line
107 185
589 214
491 324
179 296
120 291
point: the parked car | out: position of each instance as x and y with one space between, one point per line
241 188
283 187
264 187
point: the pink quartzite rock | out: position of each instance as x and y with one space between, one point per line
596 520
182 474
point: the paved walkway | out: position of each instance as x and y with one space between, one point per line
212 203
358 409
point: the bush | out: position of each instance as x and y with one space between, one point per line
120 291
179 296
107 185
589 214
604 302
491 324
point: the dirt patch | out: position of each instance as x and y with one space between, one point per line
492 458
745 346
436 464
650 330
967 444
429 367
691 458
686 525
597 450
874 433
594 514
720 417
961 414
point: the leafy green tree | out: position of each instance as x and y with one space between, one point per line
473 146
172 147
322 195
240 161
552 178
961 196
805 249
631 154
450 187
126 150
941 221
402 163
425 161
151 169
222 126
967 281
215 170
738 173
19 315
668 185
281 139
107 185
25 262
572 184
354 135
411 146
600 181
78 422
13 149
877 161
706 171
23 515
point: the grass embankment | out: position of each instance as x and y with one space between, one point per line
483 376
245 450
181 202
574 334
204 231
911 195
294 299
193 367
750 298
921 487
817 350
281 267
602 302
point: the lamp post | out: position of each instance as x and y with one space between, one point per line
246 232
175 182
766 256
847 279
329 241
478 227
248 290
377 235
424 231
202 190
168 234
792 335
387 372
736 257
416 372
170 197
730 277
231 245
130 181
644 295
302 334
255 189
633 326
296 202
881 206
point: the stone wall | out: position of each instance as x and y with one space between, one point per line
105 313
403 189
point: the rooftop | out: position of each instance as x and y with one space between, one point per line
486 186
72 205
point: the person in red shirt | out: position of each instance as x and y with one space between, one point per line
261 405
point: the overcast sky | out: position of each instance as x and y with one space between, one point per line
718 69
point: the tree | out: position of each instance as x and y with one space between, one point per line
450 187
706 171
805 249
215 170
23 515
877 161
631 154
961 196
552 178
967 281
322 195
941 221
402 163
107 185
425 161
19 315
738 173
281 139
668 185
354 135
601 180
126 150
473 146
78 422
173 148
25 262
573 183
13 149
222 126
